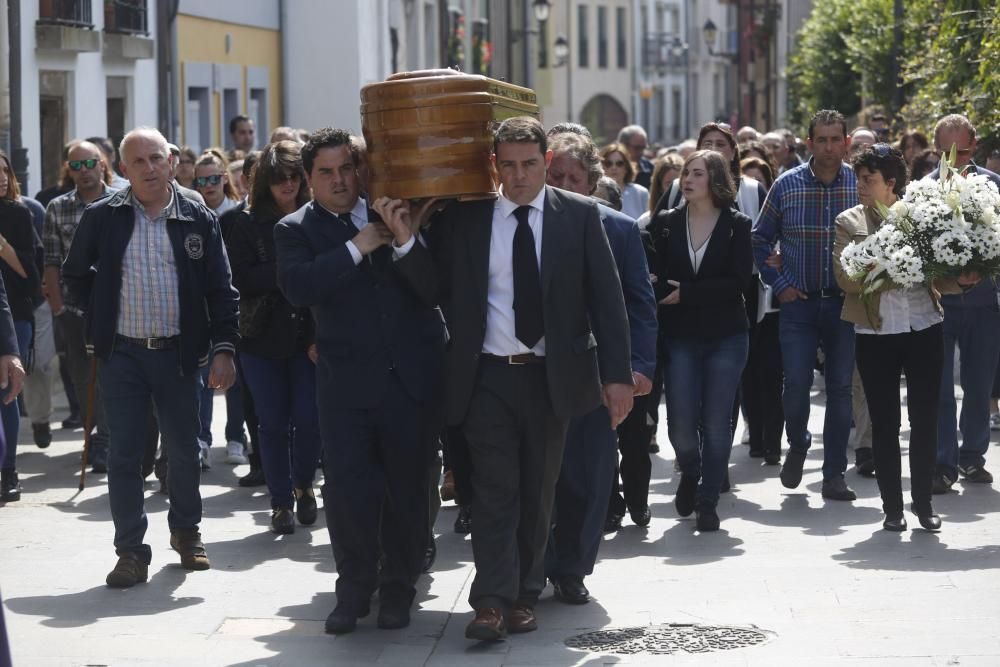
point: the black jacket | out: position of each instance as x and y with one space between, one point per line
711 304
250 243
16 226
586 326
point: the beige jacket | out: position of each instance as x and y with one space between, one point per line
855 224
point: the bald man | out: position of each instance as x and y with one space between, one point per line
161 298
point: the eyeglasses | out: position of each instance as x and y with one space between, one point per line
202 181
614 163
77 165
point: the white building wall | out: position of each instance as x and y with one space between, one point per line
708 71
87 73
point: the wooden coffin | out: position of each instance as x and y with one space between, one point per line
430 132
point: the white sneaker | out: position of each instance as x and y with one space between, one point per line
204 455
234 453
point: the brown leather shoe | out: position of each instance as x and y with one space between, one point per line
487 626
187 542
448 486
521 619
128 572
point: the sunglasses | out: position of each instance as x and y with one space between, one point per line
881 150
77 165
202 181
614 163
279 179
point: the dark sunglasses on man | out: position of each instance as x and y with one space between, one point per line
202 181
77 165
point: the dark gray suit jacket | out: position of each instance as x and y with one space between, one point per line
578 276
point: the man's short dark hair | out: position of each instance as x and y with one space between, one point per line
887 161
105 145
328 137
521 130
568 128
827 117
235 121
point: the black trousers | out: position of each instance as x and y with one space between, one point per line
881 359
516 446
376 468
455 451
636 467
761 387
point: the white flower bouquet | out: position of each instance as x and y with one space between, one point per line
938 229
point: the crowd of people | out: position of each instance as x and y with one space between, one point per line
529 340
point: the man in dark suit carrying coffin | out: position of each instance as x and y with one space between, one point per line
378 375
516 278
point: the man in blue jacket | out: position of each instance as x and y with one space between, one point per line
151 268
971 320
588 468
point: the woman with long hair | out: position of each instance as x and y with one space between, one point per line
276 350
703 268
21 276
618 166
211 180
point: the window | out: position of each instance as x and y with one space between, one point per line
197 119
66 12
126 16
117 108
583 31
602 37
621 41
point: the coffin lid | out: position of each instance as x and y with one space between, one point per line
441 87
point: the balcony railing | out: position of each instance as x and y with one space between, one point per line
125 16
76 13
663 51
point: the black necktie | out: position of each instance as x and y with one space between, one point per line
351 228
529 325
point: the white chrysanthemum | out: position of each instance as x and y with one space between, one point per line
986 241
905 267
952 248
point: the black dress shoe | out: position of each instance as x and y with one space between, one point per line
791 472
42 434
772 458
613 523
928 520
463 523
894 522
343 619
393 616
706 518
684 499
641 517
282 521
72 422
305 506
430 555
570 589
253 478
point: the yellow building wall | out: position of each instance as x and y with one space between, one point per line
204 41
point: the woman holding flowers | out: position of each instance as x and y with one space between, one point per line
893 301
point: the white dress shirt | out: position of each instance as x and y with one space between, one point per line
500 337
904 310
359 216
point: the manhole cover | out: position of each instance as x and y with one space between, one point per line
669 639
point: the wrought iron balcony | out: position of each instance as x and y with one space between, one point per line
76 13
664 51
126 16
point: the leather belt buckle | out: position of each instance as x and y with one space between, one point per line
512 359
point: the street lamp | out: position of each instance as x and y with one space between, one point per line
561 50
710 31
541 9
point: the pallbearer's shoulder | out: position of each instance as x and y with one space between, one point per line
297 217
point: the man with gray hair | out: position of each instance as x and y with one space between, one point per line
747 133
633 137
151 266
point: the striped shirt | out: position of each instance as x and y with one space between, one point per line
800 212
149 304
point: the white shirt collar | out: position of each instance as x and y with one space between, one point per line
507 207
360 210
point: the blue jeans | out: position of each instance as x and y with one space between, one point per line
234 410
10 413
128 380
702 377
284 395
977 333
802 326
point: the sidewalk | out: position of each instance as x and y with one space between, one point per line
824 581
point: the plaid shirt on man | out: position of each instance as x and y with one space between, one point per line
800 211
62 216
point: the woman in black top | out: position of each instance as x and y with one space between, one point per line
276 349
703 267
21 277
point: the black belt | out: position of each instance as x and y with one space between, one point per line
151 343
828 293
515 359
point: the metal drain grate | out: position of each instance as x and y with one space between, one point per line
669 639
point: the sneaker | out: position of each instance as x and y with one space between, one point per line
995 421
791 472
10 486
835 488
941 483
204 454
976 474
253 478
234 453
684 499
128 572
42 434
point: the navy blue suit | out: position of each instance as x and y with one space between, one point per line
588 466
378 388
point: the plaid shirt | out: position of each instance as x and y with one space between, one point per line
800 211
62 216
149 305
